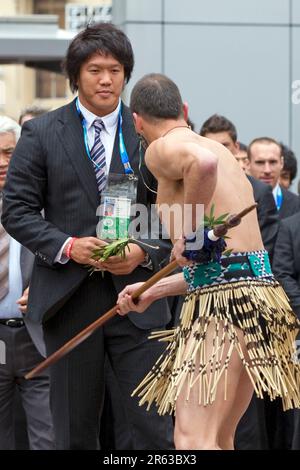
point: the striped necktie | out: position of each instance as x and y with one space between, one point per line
4 258
98 155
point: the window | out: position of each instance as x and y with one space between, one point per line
78 16
51 7
50 84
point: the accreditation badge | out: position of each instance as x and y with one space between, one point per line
117 200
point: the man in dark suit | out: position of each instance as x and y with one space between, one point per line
286 266
23 340
266 213
265 163
58 166
222 130
290 167
290 204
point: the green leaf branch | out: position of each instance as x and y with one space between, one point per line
115 248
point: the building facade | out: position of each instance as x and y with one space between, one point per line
21 86
233 57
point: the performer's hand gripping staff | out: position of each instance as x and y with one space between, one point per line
214 236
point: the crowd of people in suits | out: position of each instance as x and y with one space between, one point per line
49 206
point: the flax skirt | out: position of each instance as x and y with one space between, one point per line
260 309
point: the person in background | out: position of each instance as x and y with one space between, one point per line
23 339
289 170
222 130
266 163
190 124
286 266
242 156
31 112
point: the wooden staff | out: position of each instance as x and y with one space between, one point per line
84 334
232 221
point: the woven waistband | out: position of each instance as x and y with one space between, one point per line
235 267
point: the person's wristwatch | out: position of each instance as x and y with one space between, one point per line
147 263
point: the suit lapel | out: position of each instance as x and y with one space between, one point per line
71 137
70 133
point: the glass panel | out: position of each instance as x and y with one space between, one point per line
51 7
49 84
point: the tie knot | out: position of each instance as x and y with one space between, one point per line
98 125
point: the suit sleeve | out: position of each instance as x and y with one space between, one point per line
24 198
155 241
284 266
268 220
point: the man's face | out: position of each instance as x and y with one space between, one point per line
242 158
7 145
100 84
266 162
225 139
285 179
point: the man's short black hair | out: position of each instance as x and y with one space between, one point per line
102 38
155 96
217 123
243 147
289 161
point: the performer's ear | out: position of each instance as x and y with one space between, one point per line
137 123
185 108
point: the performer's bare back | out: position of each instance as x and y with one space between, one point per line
232 193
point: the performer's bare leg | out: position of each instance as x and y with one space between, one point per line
204 427
243 397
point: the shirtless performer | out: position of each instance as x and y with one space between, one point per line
237 331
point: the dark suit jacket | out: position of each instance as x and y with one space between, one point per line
26 264
50 170
34 329
290 204
267 213
286 262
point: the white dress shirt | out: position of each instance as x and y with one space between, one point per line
107 135
8 306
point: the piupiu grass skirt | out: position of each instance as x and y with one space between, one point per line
238 292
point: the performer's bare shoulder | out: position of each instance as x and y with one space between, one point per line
167 158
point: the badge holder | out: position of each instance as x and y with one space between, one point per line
115 210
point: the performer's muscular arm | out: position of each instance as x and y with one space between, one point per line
169 286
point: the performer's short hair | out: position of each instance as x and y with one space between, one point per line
156 96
